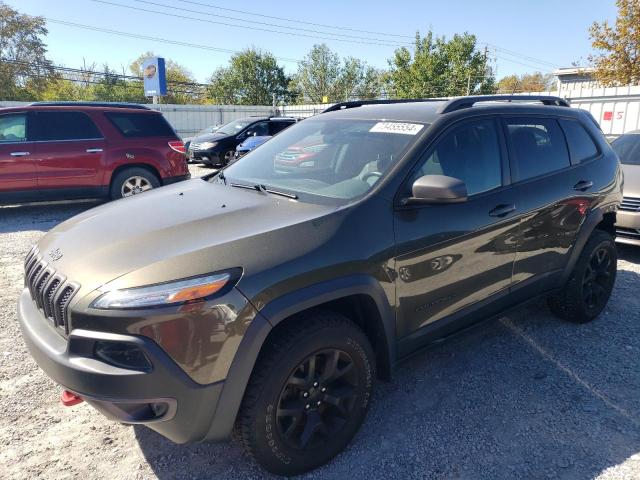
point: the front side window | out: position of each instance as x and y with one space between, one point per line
52 126
13 128
469 152
581 145
259 129
537 145
628 148
326 159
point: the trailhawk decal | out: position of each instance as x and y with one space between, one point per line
397 127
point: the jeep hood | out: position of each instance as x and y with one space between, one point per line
190 228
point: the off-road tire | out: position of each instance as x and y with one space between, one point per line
569 303
259 424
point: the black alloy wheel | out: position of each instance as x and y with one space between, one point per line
317 399
598 279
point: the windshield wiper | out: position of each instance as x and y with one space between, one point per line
265 189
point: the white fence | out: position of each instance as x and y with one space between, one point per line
617 110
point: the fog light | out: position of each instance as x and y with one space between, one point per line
123 355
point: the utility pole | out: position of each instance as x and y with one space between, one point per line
469 84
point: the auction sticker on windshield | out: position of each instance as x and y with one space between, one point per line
397 127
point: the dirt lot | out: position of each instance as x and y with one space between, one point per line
526 396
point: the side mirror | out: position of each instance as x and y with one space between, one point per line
437 189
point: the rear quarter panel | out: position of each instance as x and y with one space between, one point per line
153 152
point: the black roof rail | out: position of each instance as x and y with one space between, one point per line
91 104
467 102
359 103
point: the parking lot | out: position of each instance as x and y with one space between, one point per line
523 396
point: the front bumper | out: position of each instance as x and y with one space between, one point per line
165 398
628 227
207 157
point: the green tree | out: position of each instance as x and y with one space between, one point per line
440 68
528 82
618 59
252 78
113 87
181 85
24 68
323 74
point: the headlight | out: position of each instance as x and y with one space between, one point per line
207 145
163 294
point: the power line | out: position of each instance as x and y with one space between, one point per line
525 57
174 15
358 37
154 39
261 15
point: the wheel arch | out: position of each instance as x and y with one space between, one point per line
124 166
597 219
358 296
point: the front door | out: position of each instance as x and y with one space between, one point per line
17 168
69 152
452 257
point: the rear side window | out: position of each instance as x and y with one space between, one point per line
628 148
136 125
13 128
278 126
581 145
52 126
537 145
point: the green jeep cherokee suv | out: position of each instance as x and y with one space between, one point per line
269 298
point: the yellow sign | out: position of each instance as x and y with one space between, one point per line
325 99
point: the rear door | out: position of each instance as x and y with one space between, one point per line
70 150
17 167
552 197
453 258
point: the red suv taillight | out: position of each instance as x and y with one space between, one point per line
177 146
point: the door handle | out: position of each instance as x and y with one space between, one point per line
19 154
502 210
94 150
583 185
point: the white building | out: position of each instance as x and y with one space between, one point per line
617 109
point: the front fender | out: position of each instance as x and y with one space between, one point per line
275 312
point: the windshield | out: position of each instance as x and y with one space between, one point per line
628 148
234 127
208 130
335 159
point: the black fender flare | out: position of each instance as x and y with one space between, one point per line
271 315
594 217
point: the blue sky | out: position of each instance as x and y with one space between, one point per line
524 35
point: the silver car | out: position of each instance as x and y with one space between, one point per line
627 147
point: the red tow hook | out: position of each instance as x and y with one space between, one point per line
69 399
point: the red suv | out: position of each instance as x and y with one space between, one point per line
57 150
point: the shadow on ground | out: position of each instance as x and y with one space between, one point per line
526 396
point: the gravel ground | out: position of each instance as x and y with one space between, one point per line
525 396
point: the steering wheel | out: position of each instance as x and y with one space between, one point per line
368 175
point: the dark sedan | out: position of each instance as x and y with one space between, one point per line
218 148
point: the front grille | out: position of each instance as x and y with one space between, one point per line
50 291
630 204
628 233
